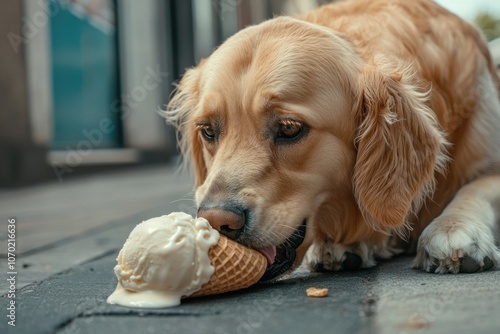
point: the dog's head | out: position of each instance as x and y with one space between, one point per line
287 126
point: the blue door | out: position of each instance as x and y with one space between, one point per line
84 74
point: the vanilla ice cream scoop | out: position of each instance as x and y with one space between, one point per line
164 259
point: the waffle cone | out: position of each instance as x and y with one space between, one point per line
236 267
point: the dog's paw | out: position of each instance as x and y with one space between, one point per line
452 244
329 256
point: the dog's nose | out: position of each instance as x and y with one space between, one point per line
228 222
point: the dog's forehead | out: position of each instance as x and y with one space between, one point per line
286 65
228 108
278 55
235 79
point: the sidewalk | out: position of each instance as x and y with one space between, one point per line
68 236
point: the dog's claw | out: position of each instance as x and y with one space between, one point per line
352 262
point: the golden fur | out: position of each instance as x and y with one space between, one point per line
400 102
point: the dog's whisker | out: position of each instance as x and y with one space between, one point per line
181 200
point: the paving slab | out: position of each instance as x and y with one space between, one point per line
69 275
61 225
74 302
414 301
390 298
49 213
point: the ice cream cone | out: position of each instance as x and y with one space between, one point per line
236 267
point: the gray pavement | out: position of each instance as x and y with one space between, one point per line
68 277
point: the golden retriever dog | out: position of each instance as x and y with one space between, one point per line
324 139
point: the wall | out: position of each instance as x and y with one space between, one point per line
21 160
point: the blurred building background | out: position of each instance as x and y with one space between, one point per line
81 80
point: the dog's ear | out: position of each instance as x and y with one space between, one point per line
399 146
179 113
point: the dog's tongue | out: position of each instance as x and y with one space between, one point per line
269 253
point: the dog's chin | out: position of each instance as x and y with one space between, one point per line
282 258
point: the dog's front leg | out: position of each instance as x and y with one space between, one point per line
326 255
462 238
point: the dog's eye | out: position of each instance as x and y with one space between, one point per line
207 132
289 129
